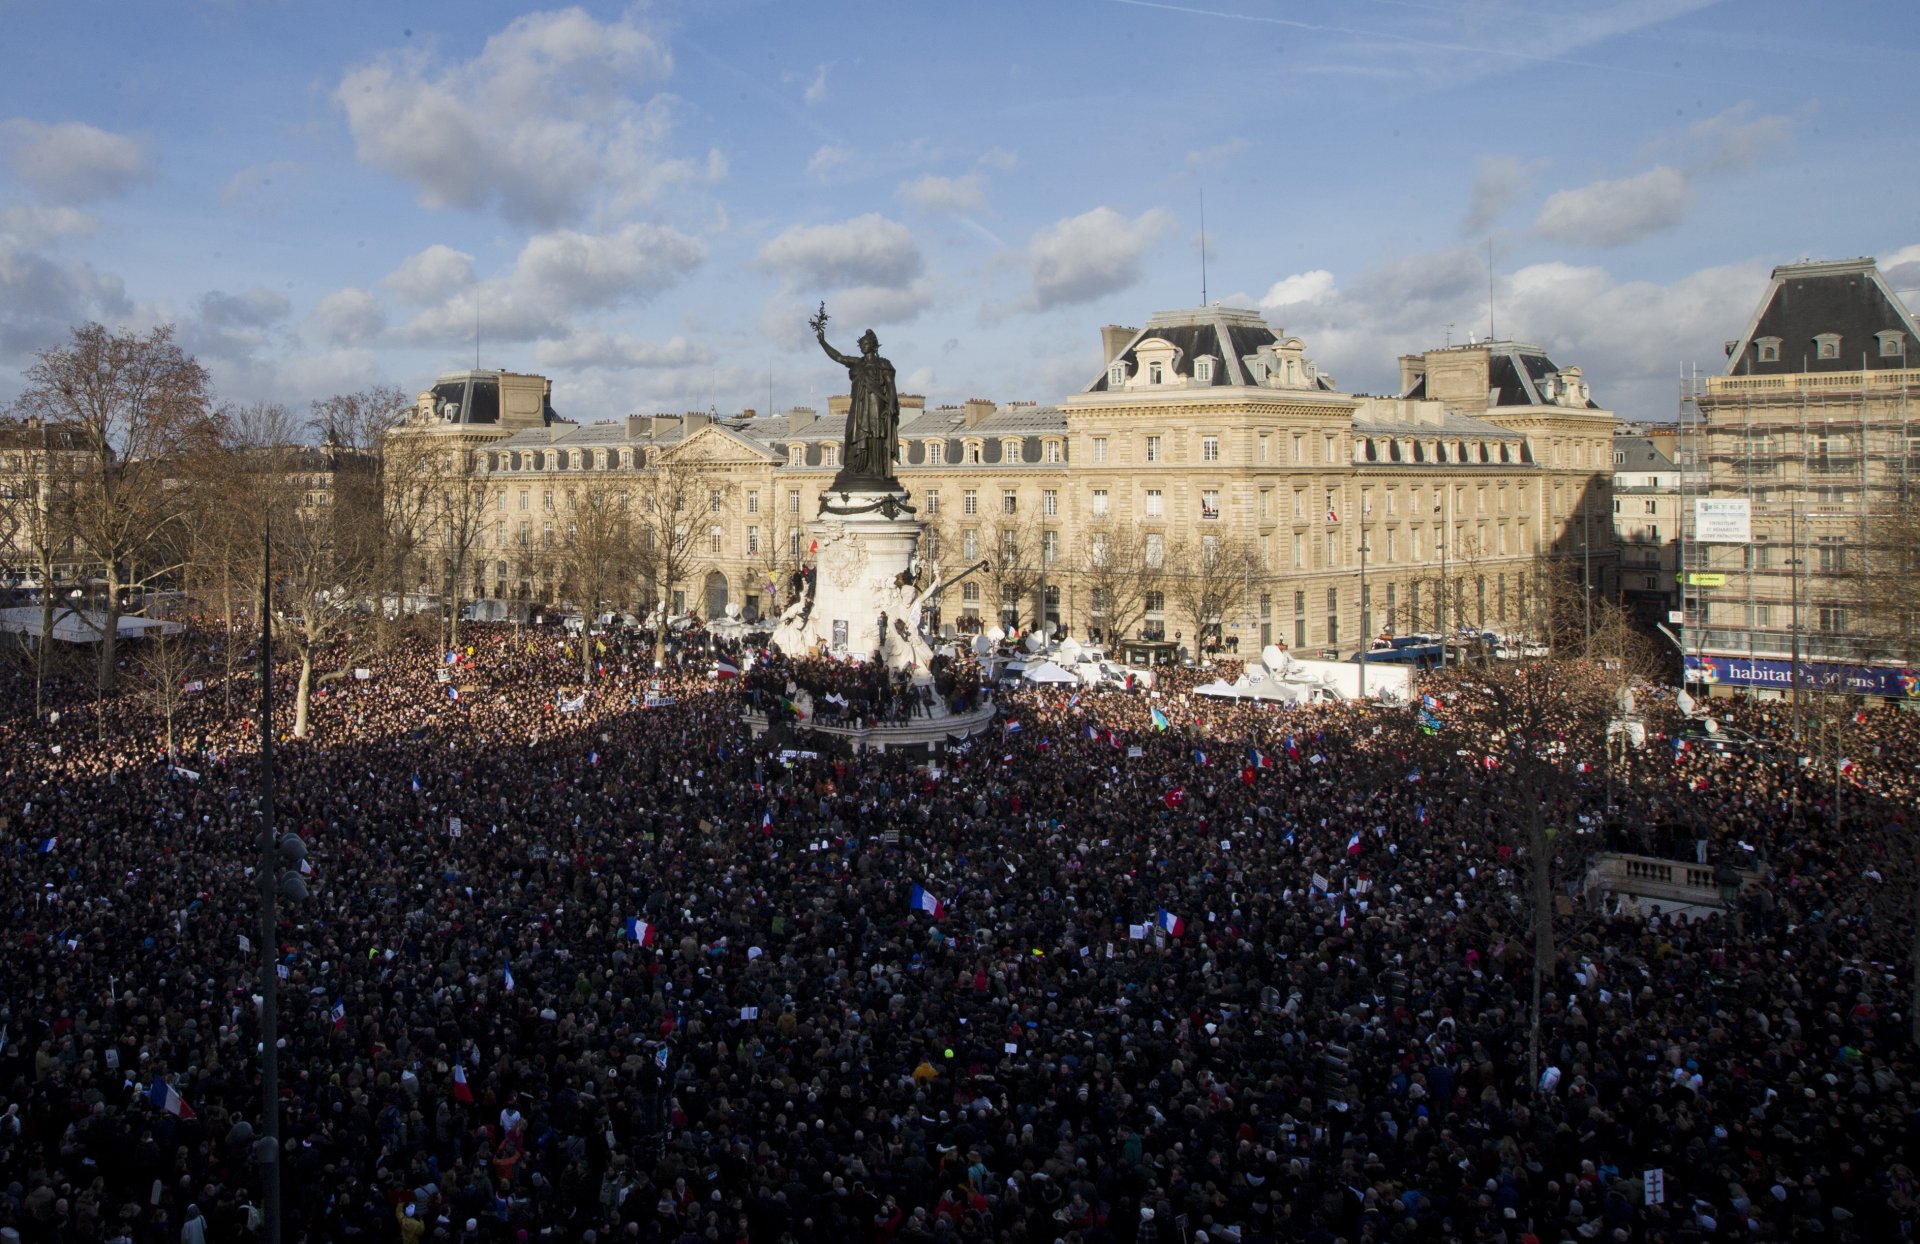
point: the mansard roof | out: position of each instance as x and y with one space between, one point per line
1805 302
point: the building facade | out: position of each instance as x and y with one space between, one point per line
1649 493
1209 485
1811 426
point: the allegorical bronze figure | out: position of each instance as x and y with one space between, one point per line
873 419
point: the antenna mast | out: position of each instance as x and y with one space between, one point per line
1203 247
1490 333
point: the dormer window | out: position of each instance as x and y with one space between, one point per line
1768 348
973 453
1826 346
936 452
1156 373
1893 345
1010 451
1203 370
1117 376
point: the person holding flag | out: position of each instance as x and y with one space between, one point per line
919 898
639 931
1158 718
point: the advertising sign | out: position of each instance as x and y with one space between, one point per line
1723 520
1891 681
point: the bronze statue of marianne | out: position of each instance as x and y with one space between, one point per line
873 418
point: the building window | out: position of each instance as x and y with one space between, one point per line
713 540
1266 446
793 500
973 453
1299 619
1209 503
1203 370
1010 452
970 502
1759 615
753 541
936 452
1116 376
1155 623
1768 348
1049 547
1099 503
830 455
1833 619
1050 502
1099 449
1154 503
1153 449
1209 449
1097 556
793 542
970 544
933 544
753 500
1009 501
713 501
1050 452
933 504
1893 345
1266 551
1826 345
1833 554
1299 551
970 599
1155 373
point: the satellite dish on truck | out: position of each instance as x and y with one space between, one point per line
1272 657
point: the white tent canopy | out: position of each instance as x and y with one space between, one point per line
80 627
1047 672
1266 690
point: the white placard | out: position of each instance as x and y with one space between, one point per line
1723 520
1656 1186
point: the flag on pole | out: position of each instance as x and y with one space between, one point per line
1259 759
1012 727
725 669
766 822
1293 748
1175 798
1353 843
919 899
506 975
164 1097
339 1014
1158 718
1199 758
639 931
1173 924
461 1090
1332 515
1343 915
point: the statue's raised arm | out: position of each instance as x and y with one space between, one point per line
873 412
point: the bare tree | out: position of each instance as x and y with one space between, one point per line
165 665
1012 547
676 501
379 490
136 404
1215 572
1119 569
596 557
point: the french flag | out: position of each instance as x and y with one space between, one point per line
506 975
766 822
1013 727
1199 758
639 931
920 899
163 1097
339 1014
461 1090
1343 915
1259 759
1353 843
1173 924
1293 748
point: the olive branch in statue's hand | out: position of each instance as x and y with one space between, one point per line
819 322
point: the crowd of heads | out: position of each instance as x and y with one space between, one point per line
588 961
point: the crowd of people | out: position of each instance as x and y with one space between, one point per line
589 962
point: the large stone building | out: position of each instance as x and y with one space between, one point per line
1208 482
1812 426
1650 489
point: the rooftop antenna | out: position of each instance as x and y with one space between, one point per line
1449 334
476 336
1203 246
1490 332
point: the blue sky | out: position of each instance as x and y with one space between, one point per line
645 202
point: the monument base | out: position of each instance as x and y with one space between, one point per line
864 604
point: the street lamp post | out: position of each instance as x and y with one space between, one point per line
1793 540
1586 568
1366 612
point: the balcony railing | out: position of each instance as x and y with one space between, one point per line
1812 384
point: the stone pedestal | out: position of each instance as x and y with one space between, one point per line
863 574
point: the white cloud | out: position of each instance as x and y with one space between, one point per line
1501 182
558 275
42 298
1901 270
234 327
1089 256
347 317
934 193
829 161
265 190
998 160
1207 157
867 250
539 124
619 350
816 92
30 224
71 162
1736 139
1299 288
1613 213
430 275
